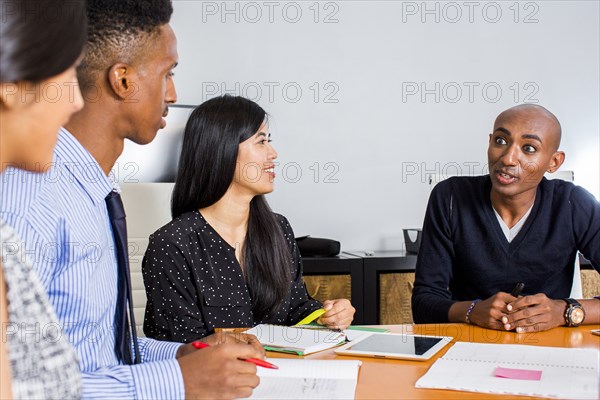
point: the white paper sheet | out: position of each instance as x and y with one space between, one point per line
566 372
308 379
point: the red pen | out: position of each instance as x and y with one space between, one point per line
255 361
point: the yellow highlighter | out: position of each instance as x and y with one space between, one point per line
311 317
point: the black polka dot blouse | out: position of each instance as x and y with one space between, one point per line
195 284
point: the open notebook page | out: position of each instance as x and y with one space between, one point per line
565 372
308 379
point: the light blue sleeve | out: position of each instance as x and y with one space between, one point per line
150 380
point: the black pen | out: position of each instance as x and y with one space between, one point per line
517 290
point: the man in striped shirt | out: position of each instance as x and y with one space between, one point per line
127 84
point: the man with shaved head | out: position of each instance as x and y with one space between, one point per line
484 235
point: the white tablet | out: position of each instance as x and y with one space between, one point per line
395 345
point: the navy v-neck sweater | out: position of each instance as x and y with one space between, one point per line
464 254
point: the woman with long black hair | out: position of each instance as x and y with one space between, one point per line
42 41
226 260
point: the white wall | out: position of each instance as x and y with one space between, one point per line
366 132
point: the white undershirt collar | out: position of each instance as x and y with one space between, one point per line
510 233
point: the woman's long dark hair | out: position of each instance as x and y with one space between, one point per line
40 38
206 169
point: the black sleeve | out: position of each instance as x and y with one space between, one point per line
586 224
431 297
301 304
172 311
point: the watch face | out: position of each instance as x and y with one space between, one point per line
577 316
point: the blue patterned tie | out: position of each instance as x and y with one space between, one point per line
124 327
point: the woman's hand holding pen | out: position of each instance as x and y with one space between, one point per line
339 314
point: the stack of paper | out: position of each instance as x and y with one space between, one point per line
308 379
301 341
517 370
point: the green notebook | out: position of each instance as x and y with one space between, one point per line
295 340
304 339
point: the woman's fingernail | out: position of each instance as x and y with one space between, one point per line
509 307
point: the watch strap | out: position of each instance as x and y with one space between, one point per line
572 302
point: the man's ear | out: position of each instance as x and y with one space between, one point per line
120 81
558 158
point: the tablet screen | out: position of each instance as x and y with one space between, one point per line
405 344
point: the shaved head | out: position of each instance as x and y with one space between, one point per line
538 117
522 148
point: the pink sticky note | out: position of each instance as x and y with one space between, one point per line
512 373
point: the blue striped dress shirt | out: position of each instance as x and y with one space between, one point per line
62 218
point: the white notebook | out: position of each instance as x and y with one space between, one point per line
301 341
561 372
308 379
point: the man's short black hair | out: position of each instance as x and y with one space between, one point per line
119 31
